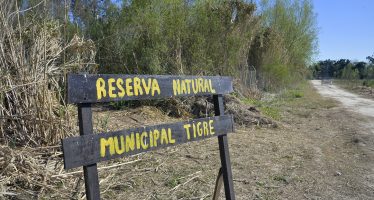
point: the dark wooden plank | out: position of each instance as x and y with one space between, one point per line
90 88
224 151
90 171
89 149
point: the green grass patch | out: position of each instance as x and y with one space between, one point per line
252 102
280 178
351 84
267 108
290 94
297 94
173 181
368 83
260 183
271 112
302 95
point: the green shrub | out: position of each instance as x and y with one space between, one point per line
368 83
293 94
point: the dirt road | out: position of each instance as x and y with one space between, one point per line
349 100
323 150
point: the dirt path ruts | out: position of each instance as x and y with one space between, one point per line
349 100
321 151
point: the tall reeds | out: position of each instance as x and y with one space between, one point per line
34 60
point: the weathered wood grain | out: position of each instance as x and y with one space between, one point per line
87 149
95 88
224 151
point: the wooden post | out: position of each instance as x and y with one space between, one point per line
224 151
91 177
219 182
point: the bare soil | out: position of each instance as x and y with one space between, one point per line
319 150
356 87
322 151
353 102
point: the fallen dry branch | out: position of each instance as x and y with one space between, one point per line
244 115
100 168
187 181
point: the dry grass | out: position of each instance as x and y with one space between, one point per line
310 156
34 61
38 172
357 87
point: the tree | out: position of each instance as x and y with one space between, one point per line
349 72
361 68
370 59
193 37
290 38
338 67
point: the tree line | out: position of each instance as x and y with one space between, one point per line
344 69
209 37
41 41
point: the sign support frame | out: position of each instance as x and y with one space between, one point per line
224 151
91 176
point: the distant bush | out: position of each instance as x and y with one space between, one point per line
368 83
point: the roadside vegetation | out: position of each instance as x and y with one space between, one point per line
43 41
355 72
357 77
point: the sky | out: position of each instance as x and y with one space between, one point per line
346 29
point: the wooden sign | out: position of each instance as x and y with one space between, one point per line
88 149
94 148
88 88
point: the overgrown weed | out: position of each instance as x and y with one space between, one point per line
302 94
266 107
